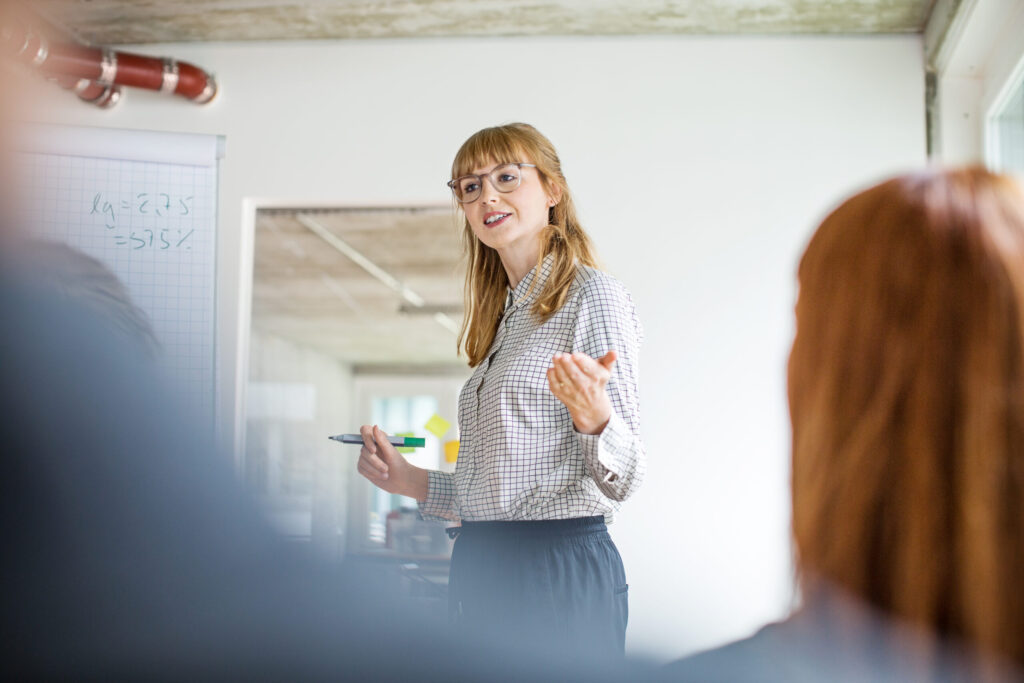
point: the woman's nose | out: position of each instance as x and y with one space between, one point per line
487 192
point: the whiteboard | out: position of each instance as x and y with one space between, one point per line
145 204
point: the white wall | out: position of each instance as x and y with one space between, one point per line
700 164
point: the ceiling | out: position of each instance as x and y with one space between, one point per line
307 291
113 22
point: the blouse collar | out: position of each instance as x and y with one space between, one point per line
522 293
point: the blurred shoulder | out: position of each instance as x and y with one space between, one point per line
840 643
755 658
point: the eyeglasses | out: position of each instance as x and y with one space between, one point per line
504 178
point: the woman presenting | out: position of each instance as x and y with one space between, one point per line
549 423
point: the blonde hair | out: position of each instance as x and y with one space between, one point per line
563 238
906 392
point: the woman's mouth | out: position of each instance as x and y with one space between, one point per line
494 218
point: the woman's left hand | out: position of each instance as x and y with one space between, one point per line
578 381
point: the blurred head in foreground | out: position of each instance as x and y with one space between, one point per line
906 392
20 95
8 100
74 276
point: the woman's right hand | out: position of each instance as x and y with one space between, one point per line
386 468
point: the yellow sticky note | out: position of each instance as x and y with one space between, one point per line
451 451
437 425
404 449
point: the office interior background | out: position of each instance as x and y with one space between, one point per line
703 143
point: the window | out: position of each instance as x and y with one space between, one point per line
403 415
1005 128
401 404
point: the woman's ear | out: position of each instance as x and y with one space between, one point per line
554 195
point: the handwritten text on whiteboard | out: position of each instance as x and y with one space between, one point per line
117 214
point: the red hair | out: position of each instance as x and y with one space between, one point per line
906 392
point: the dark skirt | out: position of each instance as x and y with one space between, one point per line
555 586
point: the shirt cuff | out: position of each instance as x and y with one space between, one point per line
440 502
608 454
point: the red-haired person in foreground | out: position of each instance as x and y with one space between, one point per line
906 394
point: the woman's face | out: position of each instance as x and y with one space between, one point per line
510 221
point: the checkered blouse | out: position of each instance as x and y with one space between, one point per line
520 458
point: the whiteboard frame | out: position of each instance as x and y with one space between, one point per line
179 148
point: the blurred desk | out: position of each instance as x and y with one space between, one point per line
421 578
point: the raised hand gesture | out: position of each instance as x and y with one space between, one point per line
579 381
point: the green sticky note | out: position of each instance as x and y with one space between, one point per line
405 449
437 425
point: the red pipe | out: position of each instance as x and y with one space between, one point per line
69 63
91 91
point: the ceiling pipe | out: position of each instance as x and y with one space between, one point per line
91 91
105 69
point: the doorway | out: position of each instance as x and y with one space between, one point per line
355 314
